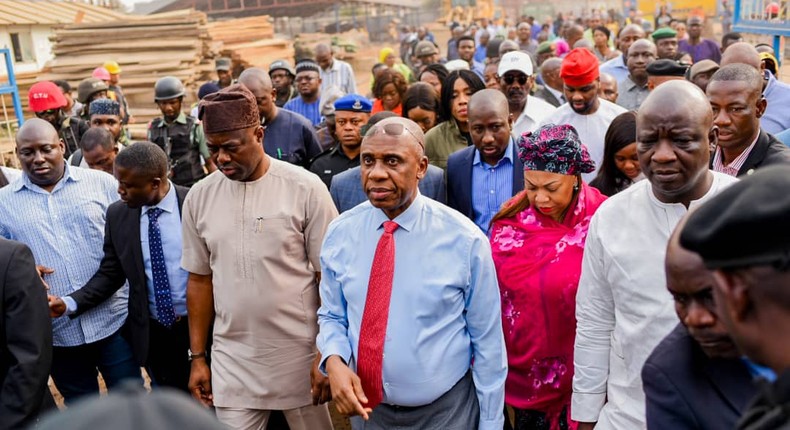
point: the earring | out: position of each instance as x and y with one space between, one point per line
576 187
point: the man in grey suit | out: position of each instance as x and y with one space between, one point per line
552 83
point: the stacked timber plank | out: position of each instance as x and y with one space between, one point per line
147 48
250 41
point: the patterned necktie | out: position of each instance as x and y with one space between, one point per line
164 303
374 319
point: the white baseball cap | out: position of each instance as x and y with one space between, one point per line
456 65
516 60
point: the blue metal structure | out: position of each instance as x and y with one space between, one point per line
10 87
770 17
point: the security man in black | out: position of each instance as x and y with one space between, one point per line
179 135
352 112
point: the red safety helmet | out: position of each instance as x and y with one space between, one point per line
101 73
45 95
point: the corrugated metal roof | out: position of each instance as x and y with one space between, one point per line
47 12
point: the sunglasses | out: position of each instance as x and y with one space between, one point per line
47 112
394 129
509 79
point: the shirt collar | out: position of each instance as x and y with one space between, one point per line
532 110
69 174
718 157
168 204
181 119
630 84
407 219
557 94
508 155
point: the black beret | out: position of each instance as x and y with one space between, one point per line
747 224
665 67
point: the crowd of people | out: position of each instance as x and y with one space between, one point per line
570 225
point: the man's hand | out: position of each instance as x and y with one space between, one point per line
586 426
346 388
200 382
44 271
320 388
57 307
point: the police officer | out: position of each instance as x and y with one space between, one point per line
47 102
179 135
282 75
351 114
224 76
90 89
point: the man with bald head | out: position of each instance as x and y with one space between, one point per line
287 136
633 89
490 164
334 72
609 90
735 94
59 212
623 308
552 88
426 268
573 34
507 46
617 66
251 236
776 93
695 377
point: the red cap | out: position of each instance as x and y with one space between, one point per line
579 68
45 95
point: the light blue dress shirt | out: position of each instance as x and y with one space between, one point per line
311 111
784 137
776 117
444 311
615 67
65 230
492 186
170 228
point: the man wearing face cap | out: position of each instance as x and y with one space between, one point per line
700 73
252 234
743 236
585 111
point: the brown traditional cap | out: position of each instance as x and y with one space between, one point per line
230 109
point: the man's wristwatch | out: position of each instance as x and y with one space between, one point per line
195 356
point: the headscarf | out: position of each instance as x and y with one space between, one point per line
538 264
556 149
384 53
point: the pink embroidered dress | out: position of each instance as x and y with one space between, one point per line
538 262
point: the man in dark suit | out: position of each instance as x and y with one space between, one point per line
694 379
142 244
484 176
552 88
347 192
26 333
735 95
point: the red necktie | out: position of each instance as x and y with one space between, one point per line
370 351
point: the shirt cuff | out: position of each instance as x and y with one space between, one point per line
586 407
328 353
71 305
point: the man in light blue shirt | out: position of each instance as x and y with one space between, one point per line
617 66
59 212
444 362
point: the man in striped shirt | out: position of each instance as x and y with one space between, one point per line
308 83
58 211
334 72
735 95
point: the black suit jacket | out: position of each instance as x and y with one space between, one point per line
768 150
546 95
123 259
459 180
25 337
685 389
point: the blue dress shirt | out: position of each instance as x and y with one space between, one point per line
170 228
615 67
492 186
65 230
776 118
311 111
444 311
784 137
480 54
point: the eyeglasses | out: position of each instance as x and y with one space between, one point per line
509 79
395 129
47 112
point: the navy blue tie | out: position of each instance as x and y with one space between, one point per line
164 303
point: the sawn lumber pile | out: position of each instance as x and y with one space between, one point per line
250 41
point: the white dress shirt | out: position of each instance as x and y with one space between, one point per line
535 111
623 308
